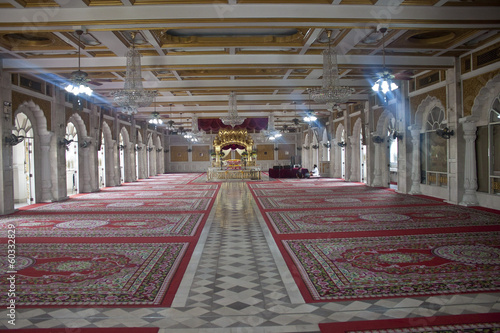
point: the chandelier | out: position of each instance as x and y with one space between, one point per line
196 134
170 123
384 84
155 116
78 84
232 119
133 96
331 92
271 133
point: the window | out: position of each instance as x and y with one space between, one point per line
494 147
434 151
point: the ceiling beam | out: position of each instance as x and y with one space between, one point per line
230 84
225 60
300 14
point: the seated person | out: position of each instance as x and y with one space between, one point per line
299 173
315 171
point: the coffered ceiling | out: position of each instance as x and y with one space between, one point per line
194 52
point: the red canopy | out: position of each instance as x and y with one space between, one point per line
215 124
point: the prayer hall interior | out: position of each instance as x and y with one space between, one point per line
250 166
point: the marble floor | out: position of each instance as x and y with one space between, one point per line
238 282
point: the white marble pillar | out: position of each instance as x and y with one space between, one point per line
338 161
116 164
415 166
110 164
85 181
333 143
469 126
377 172
354 174
46 193
152 161
159 152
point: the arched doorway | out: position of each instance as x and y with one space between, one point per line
385 143
150 157
72 161
101 158
393 144
362 158
340 137
121 156
127 157
159 155
138 157
23 163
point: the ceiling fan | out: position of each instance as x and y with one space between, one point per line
78 84
384 79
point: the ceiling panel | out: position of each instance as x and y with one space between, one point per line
195 52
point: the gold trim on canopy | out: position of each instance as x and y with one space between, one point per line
232 136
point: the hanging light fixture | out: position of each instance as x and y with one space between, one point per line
331 92
309 117
197 135
133 96
170 123
78 84
271 133
155 116
384 84
295 120
232 119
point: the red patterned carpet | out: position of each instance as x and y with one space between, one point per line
362 243
348 199
363 219
152 194
81 253
105 225
469 323
122 205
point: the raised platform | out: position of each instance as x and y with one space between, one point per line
218 174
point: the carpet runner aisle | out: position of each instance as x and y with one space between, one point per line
124 246
345 241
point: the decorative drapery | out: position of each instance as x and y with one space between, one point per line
216 124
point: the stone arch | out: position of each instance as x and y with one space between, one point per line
140 157
484 99
355 174
77 121
44 150
128 160
428 104
151 155
381 177
106 132
36 117
84 165
109 162
324 145
383 122
338 156
159 155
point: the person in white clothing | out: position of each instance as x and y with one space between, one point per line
315 171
